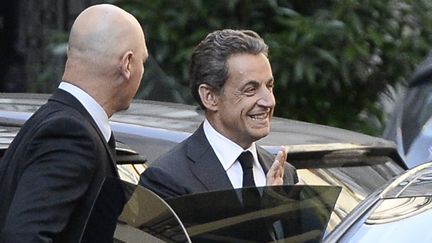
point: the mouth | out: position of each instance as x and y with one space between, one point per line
259 117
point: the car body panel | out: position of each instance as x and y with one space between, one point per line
401 211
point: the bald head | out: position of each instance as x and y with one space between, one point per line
103 32
106 50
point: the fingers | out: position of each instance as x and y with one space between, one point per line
276 173
282 157
272 174
284 151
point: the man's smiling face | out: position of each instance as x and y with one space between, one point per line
246 102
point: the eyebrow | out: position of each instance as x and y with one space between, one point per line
271 80
255 82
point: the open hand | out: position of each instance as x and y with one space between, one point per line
276 172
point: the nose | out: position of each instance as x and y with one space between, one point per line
266 98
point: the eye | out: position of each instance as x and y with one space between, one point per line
270 86
249 90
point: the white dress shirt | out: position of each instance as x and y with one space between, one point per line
228 152
96 111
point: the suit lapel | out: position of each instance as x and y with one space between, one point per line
264 158
67 99
204 163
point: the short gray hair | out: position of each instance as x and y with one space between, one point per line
209 58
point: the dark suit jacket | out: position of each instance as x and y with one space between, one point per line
193 167
51 173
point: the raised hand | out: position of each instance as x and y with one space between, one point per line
276 172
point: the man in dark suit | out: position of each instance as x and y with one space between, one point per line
52 171
231 79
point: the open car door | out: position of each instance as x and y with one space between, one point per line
125 212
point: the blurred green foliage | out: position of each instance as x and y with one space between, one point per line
331 59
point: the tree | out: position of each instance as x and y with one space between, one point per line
33 41
330 59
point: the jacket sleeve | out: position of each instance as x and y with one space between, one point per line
60 165
290 175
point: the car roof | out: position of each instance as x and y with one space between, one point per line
186 118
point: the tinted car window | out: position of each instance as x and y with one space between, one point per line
125 212
289 213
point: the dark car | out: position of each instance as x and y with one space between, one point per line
350 166
410 125
398 212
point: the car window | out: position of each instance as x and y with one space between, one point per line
125 212
290 213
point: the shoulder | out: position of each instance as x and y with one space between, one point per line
60 128
67 123
55 121
174 156
178 161
58 113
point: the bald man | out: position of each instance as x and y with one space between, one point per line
50 175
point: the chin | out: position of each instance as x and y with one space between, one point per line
260 134
122 108
127 107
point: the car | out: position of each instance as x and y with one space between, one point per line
338 169
410 124
399 212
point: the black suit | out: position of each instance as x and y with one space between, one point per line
51 173
193 167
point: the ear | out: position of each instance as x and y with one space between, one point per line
126 65
209 97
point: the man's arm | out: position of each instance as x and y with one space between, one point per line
60 168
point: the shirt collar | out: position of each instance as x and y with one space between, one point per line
226 150
93 108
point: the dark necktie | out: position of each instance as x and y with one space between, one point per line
112 145
251 199
246 160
